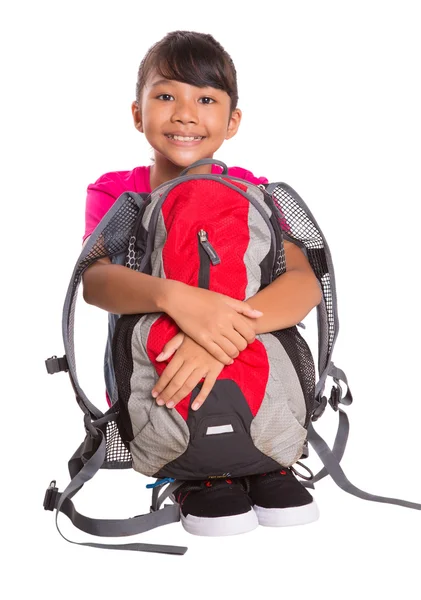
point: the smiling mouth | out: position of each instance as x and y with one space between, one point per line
181 138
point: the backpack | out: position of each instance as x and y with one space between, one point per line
224 234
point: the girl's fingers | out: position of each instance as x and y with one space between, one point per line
189 385
227 345
239 342
243 308
245 329
173 392
171 346
204 392
167 375
216 351
250 312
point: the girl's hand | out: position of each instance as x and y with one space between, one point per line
216 322
171 346
190 364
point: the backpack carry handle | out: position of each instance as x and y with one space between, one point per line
206 161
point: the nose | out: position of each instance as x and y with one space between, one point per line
185 111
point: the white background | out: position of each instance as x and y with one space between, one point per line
330 93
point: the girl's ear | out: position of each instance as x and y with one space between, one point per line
234 123
137 117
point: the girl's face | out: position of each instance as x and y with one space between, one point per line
184 123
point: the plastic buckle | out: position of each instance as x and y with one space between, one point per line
320 409
50 496
335 397
56 365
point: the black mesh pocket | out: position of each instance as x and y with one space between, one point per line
115 237
301 357
123 369
117 456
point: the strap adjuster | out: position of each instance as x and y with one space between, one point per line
50 497
56 365
320 409
335 396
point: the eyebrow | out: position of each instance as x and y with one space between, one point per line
164 81
161 81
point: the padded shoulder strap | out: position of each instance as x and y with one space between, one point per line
110 238
300 227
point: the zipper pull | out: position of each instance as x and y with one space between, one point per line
206 245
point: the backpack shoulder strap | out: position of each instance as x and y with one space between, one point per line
301 228
109 239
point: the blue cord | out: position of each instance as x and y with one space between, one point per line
159 482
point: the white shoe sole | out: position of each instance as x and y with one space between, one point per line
287 517
218 526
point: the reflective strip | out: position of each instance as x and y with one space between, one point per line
219 429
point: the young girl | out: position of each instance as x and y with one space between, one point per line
186 106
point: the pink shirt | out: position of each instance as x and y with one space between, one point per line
104 192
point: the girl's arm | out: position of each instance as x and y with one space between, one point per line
122 291
222 325
288 299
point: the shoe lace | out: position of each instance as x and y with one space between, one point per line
245 481
191 486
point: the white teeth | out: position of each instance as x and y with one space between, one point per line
180 138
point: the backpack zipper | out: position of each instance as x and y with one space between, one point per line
274 228
207 255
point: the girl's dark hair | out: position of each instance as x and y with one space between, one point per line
193 58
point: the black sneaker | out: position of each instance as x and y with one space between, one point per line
280 500
215 507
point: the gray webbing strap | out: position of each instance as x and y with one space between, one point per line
159 495
338 449
338 375
114 527
339 445
123 527
334 469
